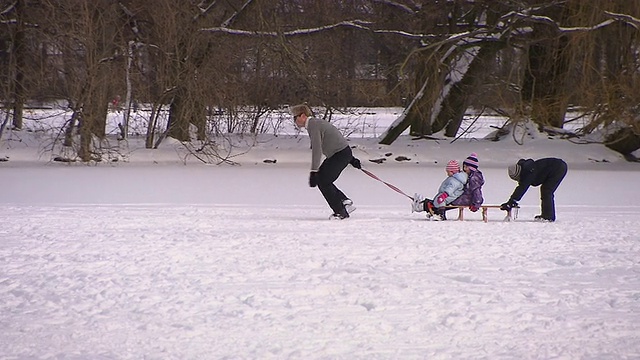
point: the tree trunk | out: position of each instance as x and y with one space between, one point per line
85 149
419 114
545 77
18 111
457 100
178 125
624 141
96 105
444 105
404 120
199 119
19 55
127 103
93 118
151 126
68 131
186 109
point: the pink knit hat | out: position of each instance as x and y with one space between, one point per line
453 166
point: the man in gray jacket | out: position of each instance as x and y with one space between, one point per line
326 140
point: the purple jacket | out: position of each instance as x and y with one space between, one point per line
472 194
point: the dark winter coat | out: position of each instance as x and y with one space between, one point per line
535 173
472 194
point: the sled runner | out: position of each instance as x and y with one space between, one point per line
484 209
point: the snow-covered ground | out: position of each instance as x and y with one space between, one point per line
152 258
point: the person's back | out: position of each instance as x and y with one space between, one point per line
472 193
326 140
547 173
450 189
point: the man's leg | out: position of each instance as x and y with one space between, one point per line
548 189
341 195
329 172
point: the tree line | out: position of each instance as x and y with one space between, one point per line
527 60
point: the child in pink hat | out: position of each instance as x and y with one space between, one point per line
450 189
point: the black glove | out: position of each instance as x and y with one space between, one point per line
313 179
508 205
355 163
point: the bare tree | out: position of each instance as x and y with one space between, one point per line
21 57
219 67
84 39
550 34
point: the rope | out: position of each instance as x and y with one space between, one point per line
394 188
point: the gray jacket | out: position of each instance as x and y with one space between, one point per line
326 140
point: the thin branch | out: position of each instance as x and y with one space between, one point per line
228 22
587 28
468 128
479 35
205 10
9 8
633 21
402 7
554 24
358 24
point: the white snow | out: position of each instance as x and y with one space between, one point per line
155 259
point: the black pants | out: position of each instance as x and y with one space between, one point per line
329 172
548 188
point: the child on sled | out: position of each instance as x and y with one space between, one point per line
450 189
472 194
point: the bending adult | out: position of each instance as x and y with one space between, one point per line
546 173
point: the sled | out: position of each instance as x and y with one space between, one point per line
511 214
